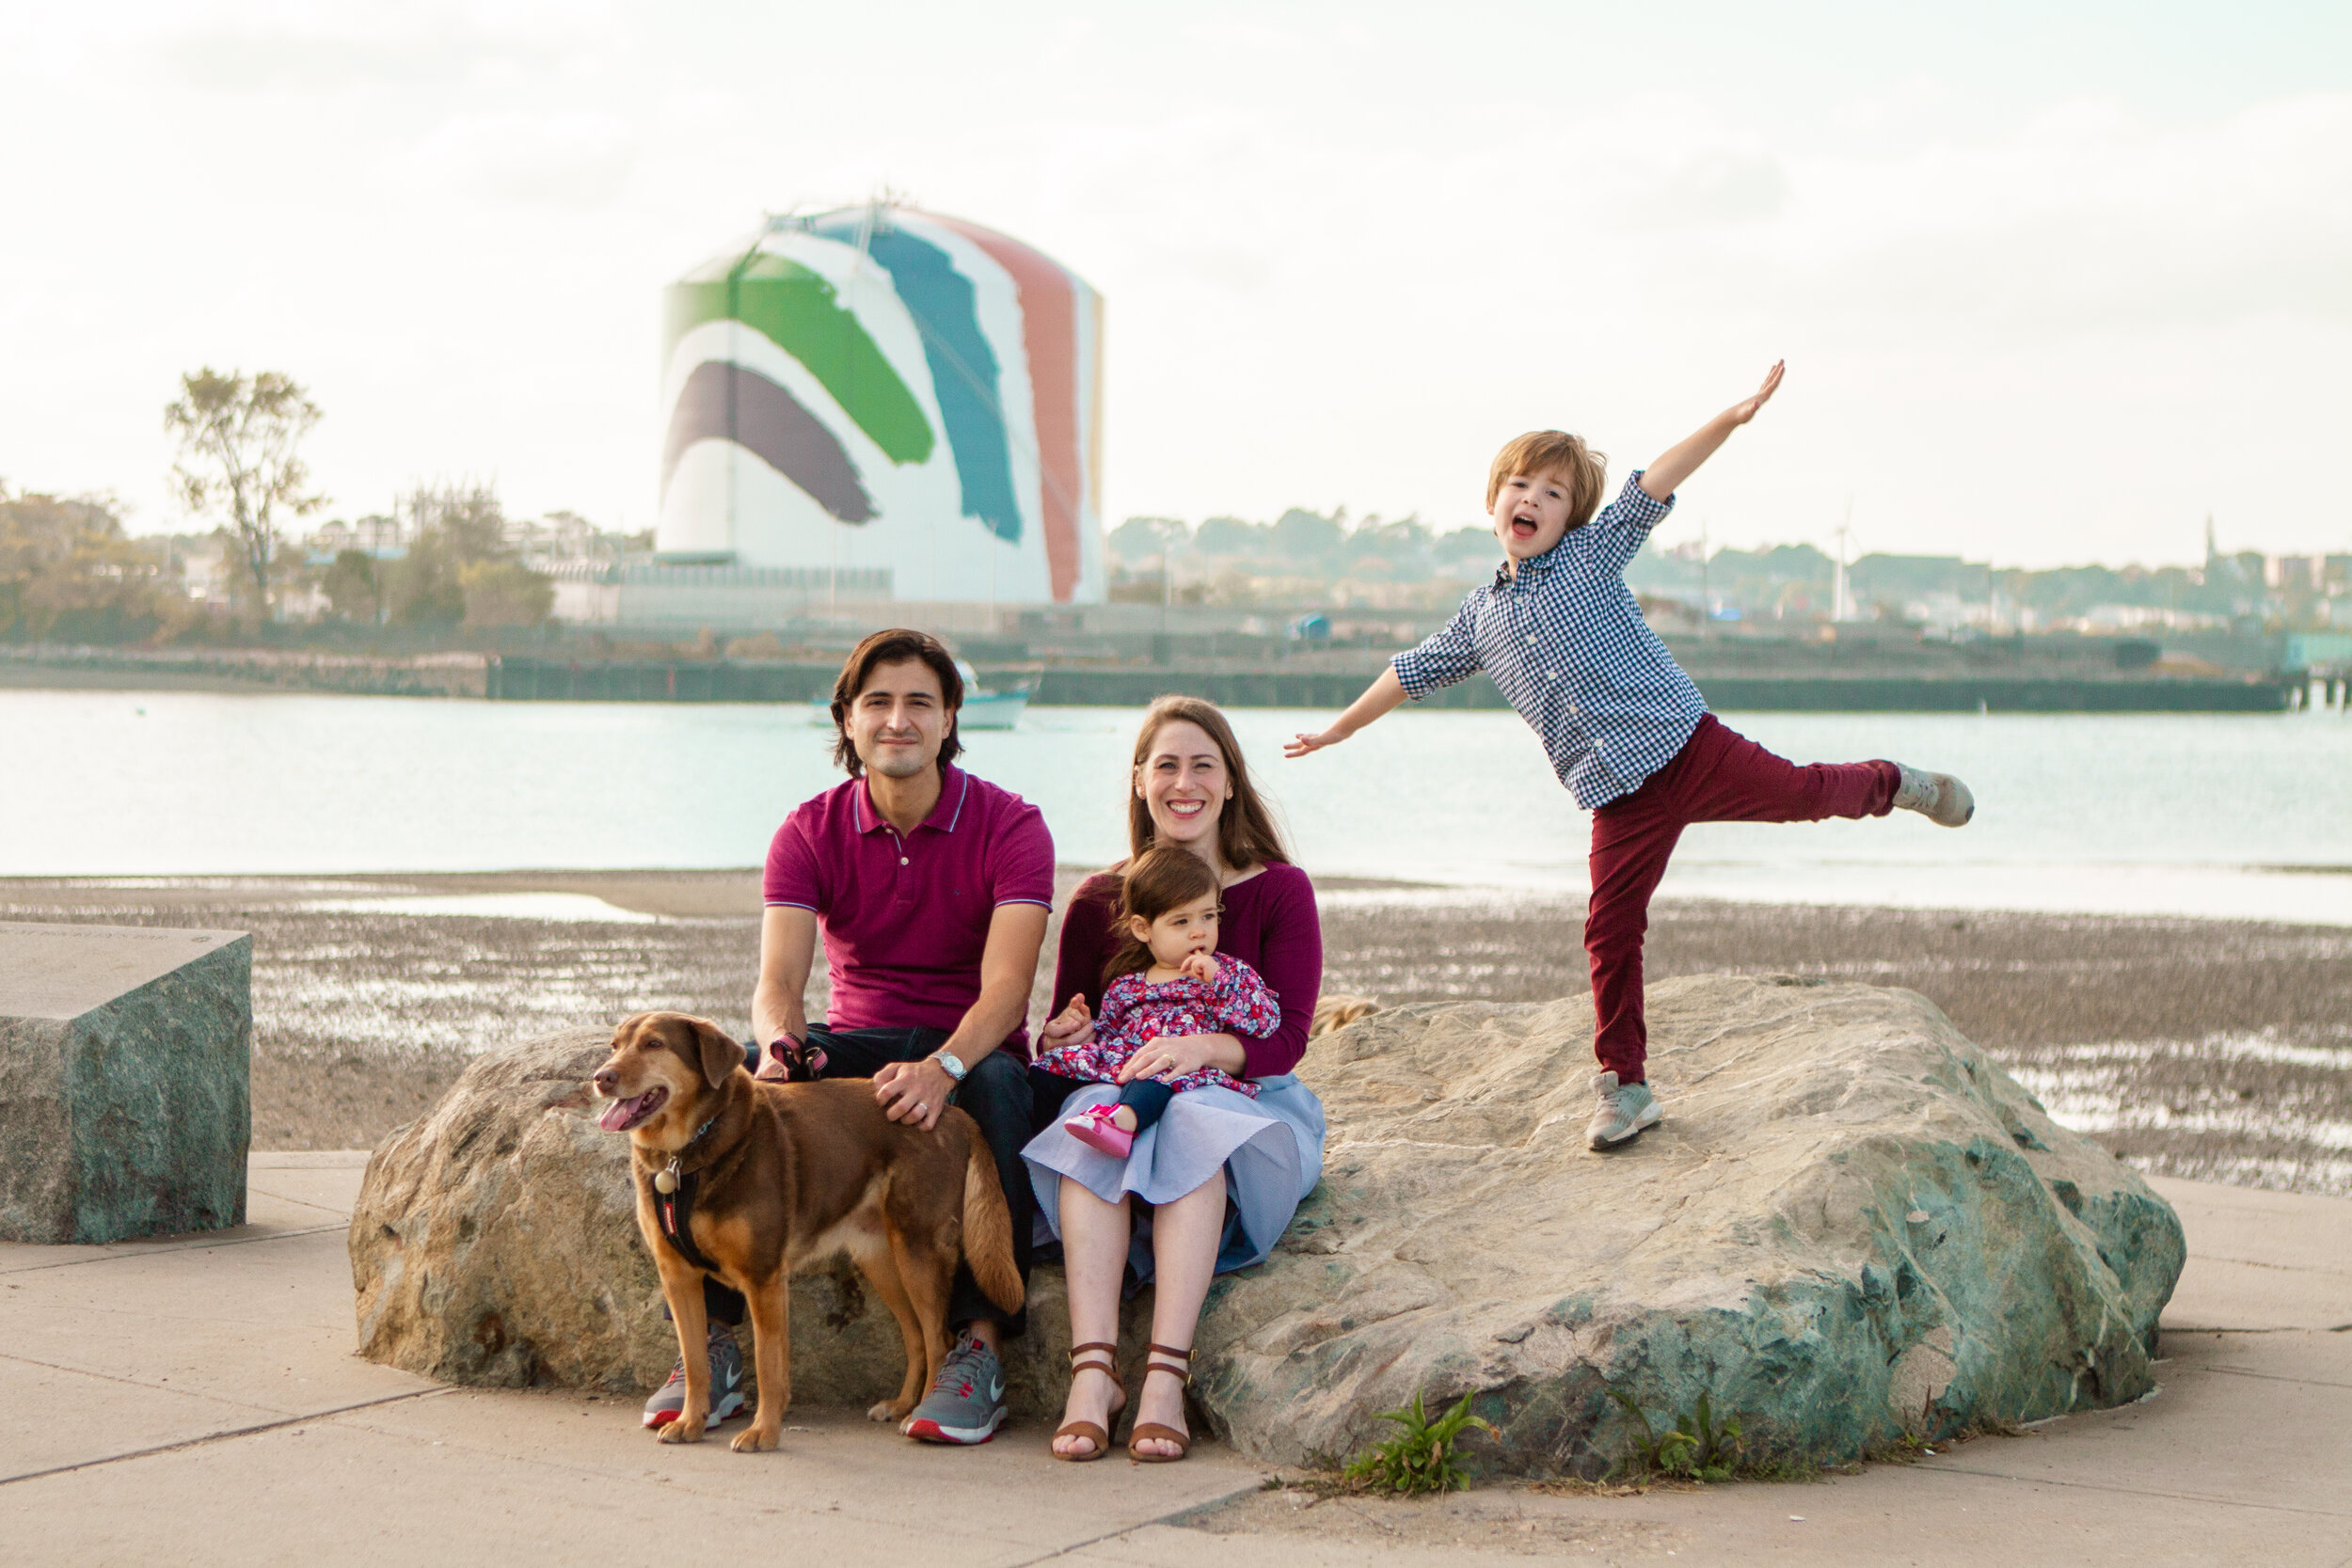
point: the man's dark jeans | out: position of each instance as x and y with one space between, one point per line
996 1093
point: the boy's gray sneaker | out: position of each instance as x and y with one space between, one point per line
726 1384
1938 796
1624 1110
966 1403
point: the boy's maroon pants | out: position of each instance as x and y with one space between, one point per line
1718 776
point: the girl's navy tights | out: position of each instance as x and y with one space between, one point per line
1147 1098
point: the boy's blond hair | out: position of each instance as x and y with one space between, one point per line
1553 451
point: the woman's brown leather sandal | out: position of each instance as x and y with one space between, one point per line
1088 1429
1154 1430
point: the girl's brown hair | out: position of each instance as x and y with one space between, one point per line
1155 882
1246 834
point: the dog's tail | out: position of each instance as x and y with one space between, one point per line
987 1229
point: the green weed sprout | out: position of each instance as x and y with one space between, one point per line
1696 1446
1420 1458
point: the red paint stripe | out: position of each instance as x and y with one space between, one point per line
1049 330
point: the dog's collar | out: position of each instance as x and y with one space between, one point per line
666 1178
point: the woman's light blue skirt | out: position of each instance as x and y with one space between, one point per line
1271 1148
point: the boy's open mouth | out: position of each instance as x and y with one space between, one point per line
621 1114
1522 527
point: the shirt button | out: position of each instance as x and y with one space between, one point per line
1530 638
1553 673
902 859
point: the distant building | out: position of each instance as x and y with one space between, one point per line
880 391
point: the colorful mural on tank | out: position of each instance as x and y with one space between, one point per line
882 387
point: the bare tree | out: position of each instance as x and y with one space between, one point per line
240 461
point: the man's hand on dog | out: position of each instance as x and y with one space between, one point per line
914 1092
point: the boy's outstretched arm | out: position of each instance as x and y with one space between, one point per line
1379 697
1661 479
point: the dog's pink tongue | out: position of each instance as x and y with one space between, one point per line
617 1114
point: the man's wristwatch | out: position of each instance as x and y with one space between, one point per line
950 1064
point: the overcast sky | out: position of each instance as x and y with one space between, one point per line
2051 286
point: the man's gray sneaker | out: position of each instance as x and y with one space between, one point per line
1938 796
726 1384
1624 1110
966 1403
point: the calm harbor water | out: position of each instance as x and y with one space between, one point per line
2239 815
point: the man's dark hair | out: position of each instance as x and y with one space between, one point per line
898 645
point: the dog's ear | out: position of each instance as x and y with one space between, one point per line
719 1055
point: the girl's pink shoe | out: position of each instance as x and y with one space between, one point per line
1094 1127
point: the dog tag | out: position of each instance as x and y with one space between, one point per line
663 1181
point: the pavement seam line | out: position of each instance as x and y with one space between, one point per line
343 1214
176 1246
211 1437
149 1387
2129 1491
2275 1377
1169 1519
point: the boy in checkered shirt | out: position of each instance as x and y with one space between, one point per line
1627 733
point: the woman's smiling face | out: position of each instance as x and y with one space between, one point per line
1184 783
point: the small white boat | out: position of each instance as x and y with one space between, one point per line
984 709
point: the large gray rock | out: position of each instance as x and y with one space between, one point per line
1851 1227
495 1241
125 1081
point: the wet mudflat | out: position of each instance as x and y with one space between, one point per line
2220 1051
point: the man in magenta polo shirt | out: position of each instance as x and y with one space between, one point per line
931 888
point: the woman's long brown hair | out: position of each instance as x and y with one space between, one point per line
1154 882
1246 834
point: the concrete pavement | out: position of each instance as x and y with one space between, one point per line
195 1400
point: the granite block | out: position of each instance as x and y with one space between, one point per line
125 1081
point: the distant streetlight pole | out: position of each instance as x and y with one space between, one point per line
1707 604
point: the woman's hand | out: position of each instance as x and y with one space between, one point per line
1073 1025
1174 1055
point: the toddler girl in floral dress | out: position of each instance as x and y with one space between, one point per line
1165 981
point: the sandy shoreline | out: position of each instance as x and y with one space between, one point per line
2217 1050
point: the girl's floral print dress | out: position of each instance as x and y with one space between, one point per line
1135 1014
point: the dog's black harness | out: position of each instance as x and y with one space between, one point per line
675 1208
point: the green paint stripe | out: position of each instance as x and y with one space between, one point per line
797 310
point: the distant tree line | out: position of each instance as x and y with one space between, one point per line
1304 554
460 566
69 573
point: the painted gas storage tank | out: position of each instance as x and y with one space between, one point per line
882 387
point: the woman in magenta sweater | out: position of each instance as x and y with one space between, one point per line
1211 1187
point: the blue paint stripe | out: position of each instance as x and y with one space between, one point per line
965 377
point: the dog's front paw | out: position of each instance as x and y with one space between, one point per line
757 1439
890 1410
686 1429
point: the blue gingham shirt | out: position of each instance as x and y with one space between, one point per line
1565 643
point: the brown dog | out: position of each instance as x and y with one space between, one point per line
765 1180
